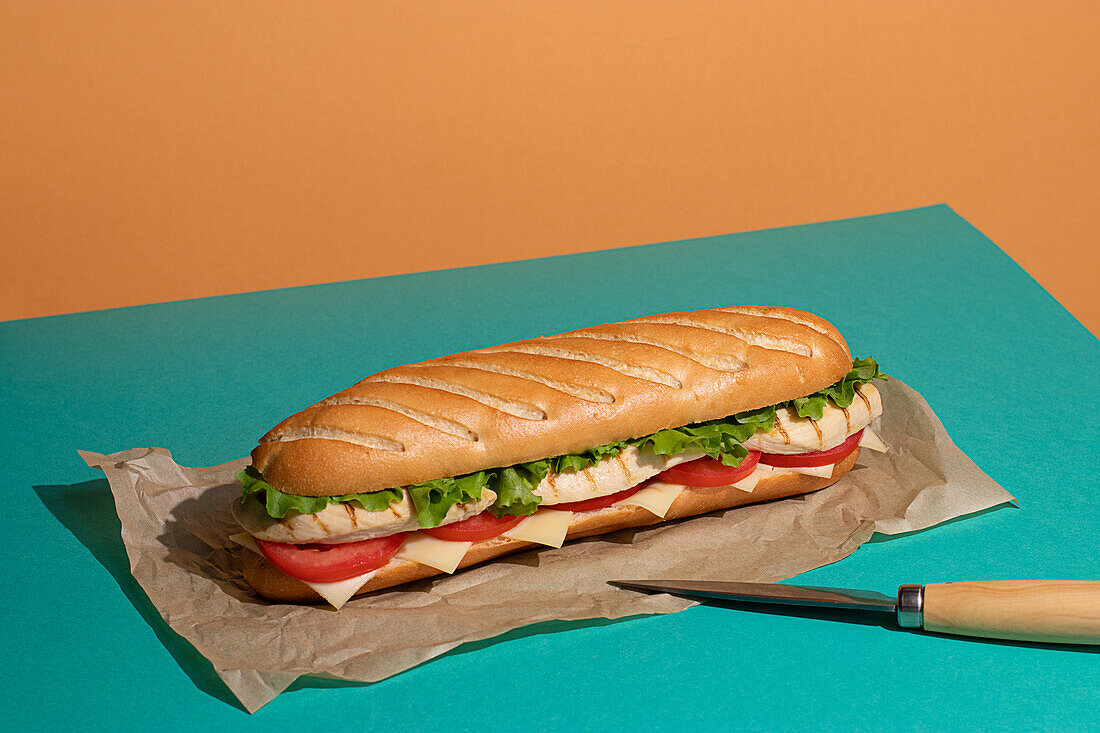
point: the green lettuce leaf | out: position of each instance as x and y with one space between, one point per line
592 456
843 393
433 499
279 503
515 488
720 439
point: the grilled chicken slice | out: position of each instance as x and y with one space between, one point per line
609 476
343 522
794 434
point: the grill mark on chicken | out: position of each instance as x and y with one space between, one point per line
637 371
441 424
588 475
817 430
315 432
718 362
589 394
847 420
746 335
508 407
320 523
351 515
626 469
551 483
779 426
864 398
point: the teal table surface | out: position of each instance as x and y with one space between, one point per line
1013 376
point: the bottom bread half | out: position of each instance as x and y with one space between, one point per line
274 585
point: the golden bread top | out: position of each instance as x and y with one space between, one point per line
550 396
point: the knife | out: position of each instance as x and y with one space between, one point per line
1050 611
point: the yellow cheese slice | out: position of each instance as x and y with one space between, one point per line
659 506
820 471
442 555
546 527
244 539
655 498
871 440
337 594
749 482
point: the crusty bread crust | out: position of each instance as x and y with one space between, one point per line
550 396
276 586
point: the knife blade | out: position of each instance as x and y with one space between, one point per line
1049 611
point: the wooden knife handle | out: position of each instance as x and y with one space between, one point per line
1055 611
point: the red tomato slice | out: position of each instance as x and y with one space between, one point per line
708 472
328 563
591 505
483 526
819 458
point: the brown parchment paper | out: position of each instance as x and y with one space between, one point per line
176 522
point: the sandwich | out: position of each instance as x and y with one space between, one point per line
429 468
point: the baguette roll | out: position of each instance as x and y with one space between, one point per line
550 396
541 398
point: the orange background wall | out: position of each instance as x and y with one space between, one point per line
161 150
